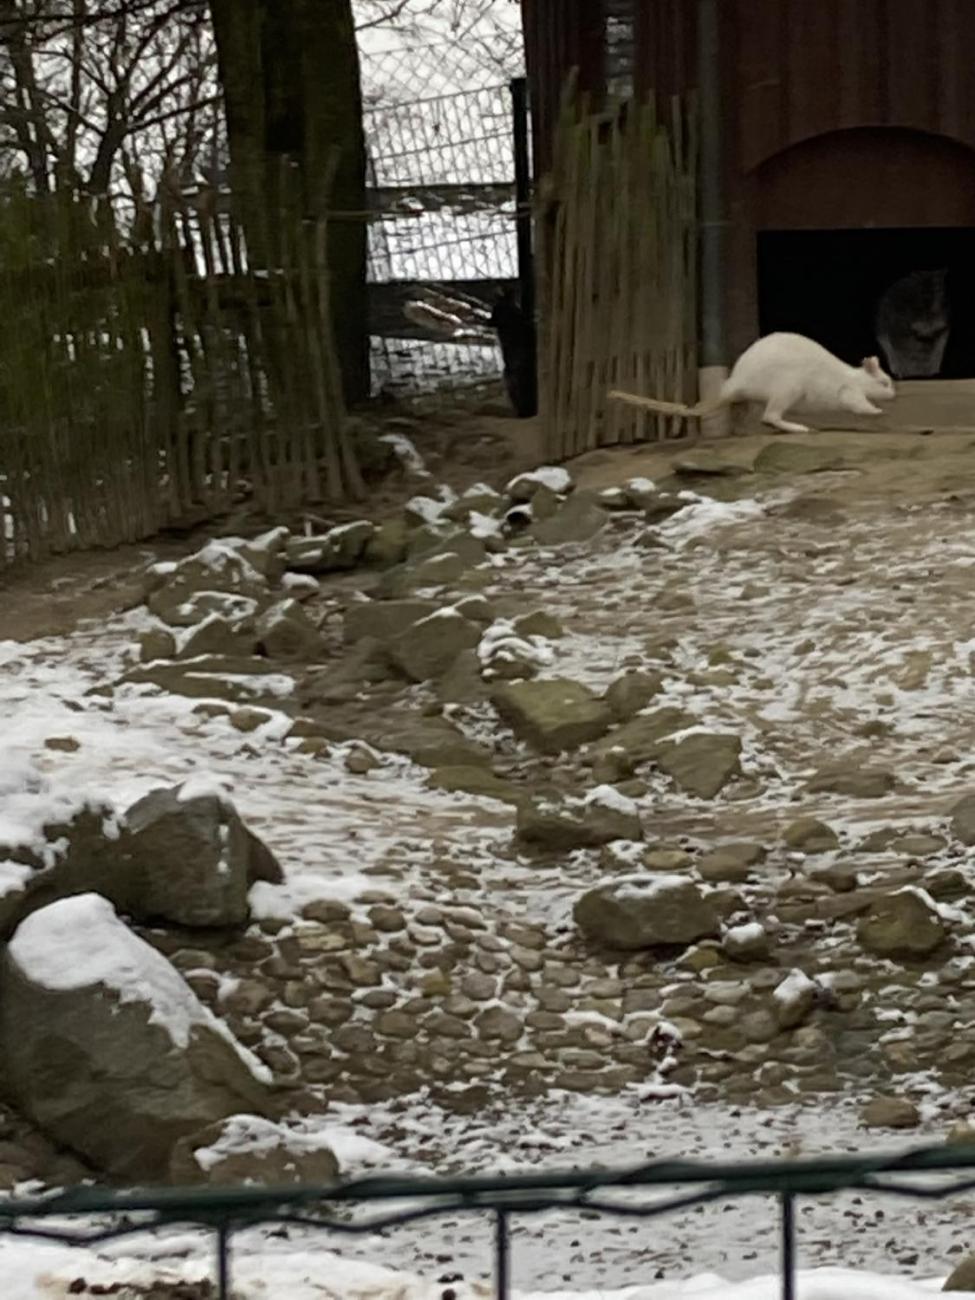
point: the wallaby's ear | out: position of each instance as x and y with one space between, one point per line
871 365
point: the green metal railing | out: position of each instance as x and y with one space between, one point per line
224 1211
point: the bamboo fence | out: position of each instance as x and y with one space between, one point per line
618 282
151 380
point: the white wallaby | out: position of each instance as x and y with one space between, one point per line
784 371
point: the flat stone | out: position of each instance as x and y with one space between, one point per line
702 764
643 911
890 1112
552 715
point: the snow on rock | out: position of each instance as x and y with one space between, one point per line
80 942
502 652
793 999
94 1023
406 453
554 477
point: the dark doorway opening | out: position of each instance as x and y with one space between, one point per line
826 284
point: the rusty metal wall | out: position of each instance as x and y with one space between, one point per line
560 36
806 67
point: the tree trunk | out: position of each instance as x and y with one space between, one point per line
290 76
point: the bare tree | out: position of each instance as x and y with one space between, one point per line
102 97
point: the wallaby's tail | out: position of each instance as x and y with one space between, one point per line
701 411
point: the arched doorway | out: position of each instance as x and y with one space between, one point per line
843 216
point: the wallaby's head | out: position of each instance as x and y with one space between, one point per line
877 384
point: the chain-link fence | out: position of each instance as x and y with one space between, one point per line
442 234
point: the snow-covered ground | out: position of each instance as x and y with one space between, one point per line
807 668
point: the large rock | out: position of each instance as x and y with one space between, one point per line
891 1112
901 926
189 859
559 825
286 632
384 619
631 692
476 780
645 911
220 566
962 1277
554 477
703 763
251 1149
644 737
963 820
340 548
552 715
429 647
579 520
854 781
105 1047
186 860
808 835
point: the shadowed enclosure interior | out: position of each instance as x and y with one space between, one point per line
826 284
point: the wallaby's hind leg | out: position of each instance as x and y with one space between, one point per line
774 416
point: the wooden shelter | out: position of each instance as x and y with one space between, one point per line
847 145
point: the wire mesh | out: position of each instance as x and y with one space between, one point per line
441 168
88 1216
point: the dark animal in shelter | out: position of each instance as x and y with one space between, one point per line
516 335
913 322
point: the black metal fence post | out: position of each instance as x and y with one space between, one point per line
523 213
502 1252
223 1263
788 1246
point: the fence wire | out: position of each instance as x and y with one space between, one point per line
441 166
89 1216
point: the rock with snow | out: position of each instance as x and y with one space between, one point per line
428 648
241 679
554 477
188 858
744 943
105 1047
340 548
249 1149
552 715
809 835
559 825
793 1000
890 1112
702 763
902 925
504 653
631 692
217 635
286 632
220 566
645 911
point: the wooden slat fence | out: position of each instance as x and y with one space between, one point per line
154 377
618 284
